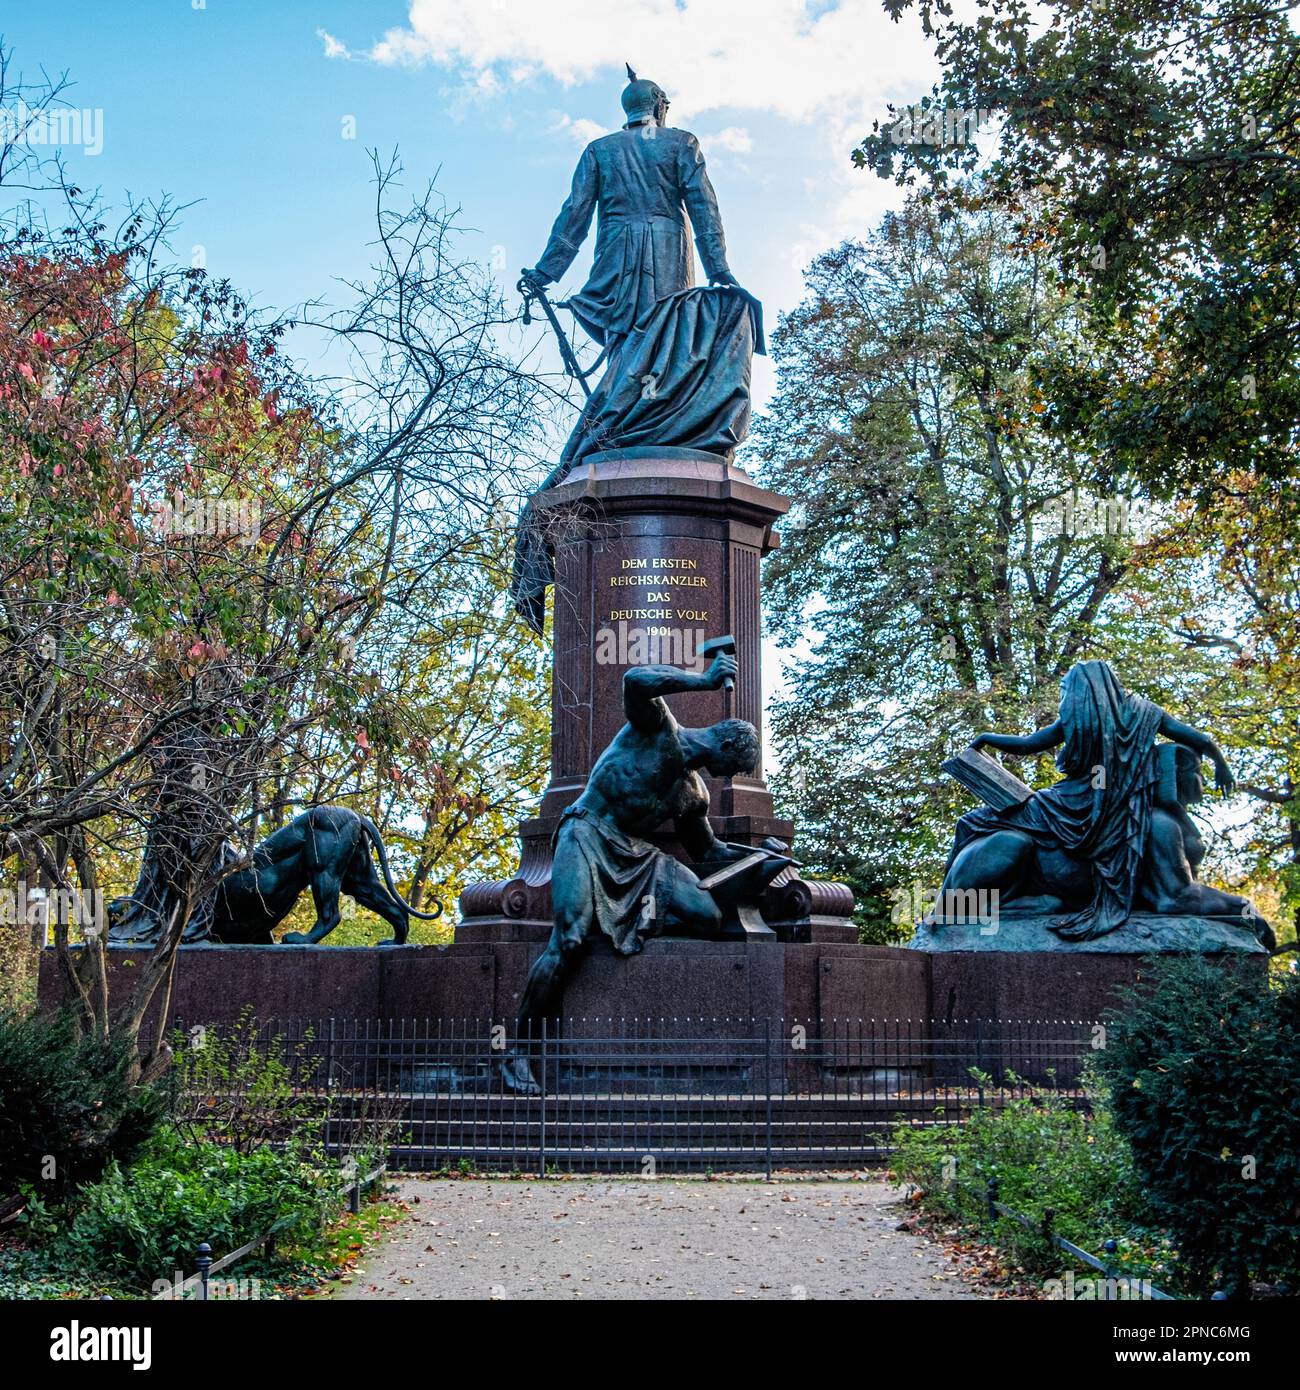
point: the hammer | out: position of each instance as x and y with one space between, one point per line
716 645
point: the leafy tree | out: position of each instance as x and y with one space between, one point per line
1241 562
219 576
144 664
454 744
943 547
1164 138
1151 150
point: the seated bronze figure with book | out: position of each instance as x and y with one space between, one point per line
1112 837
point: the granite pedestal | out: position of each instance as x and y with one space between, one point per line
656 551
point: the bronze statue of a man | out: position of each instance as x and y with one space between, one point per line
608 878
677 357
642 180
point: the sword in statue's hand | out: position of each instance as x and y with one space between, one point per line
532 288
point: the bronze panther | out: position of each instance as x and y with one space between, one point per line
326 849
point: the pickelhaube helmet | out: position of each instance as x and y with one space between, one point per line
641 97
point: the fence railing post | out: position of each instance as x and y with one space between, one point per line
767 1077
203 1258
1109 1290
991 1200
541 1116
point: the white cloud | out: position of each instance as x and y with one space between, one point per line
333 48
799 59
851 202
735 139
581 129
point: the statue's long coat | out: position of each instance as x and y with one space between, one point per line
642 181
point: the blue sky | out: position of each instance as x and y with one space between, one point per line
239 107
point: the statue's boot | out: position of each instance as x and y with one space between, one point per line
517 1076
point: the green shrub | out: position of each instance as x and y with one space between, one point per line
34 1275
144 1223
1202 1073
1045 1155
67 1105
243 1088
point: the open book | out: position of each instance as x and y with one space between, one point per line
989 780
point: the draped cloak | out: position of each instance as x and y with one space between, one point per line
1100 812
631 880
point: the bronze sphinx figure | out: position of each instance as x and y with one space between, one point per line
1113 836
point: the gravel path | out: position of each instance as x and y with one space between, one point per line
656 1239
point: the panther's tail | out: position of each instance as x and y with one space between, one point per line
372 832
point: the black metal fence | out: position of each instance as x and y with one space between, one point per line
640 1095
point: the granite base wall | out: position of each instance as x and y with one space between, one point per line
670 979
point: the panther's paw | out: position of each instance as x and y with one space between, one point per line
296 938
